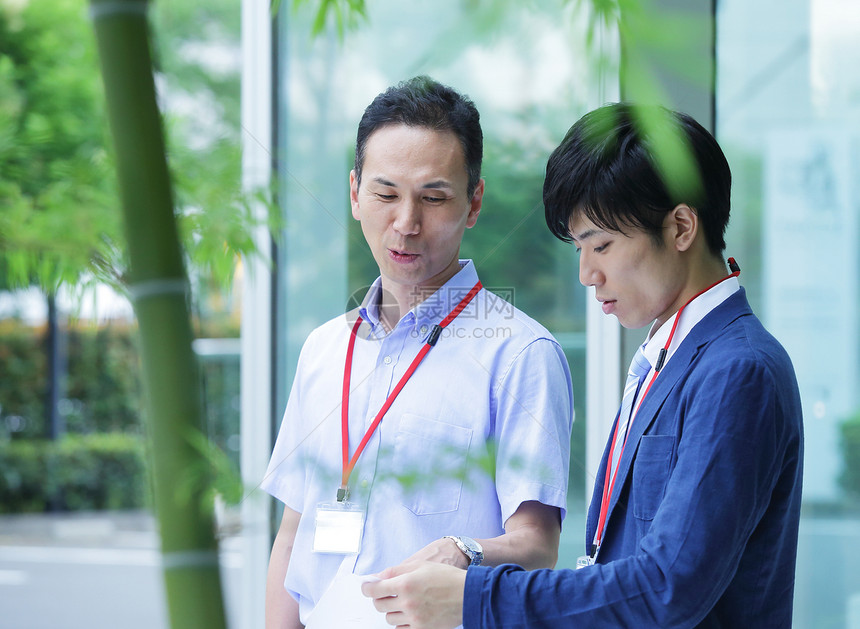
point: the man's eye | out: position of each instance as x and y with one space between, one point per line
601 248
434 199
386 197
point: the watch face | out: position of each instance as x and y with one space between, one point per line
471 544
470 548
474 550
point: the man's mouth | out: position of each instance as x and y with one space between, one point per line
402 256
608 305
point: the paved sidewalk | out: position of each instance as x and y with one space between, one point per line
93 570
106 529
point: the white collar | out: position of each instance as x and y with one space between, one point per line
694 312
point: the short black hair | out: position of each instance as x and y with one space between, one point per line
625 165
423 102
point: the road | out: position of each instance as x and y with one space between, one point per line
84 572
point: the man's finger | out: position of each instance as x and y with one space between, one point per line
385 587
374 589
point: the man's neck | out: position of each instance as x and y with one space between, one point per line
709 275
389 315
398 299
699 280
397 302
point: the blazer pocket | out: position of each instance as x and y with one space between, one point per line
651 473
430 459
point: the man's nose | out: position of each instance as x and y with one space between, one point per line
408 218
589 274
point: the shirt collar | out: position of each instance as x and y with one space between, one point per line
369 308
433 308
694 312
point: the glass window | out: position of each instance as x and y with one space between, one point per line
531 75
788 96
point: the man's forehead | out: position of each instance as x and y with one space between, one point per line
581 228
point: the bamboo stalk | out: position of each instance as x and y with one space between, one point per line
158 285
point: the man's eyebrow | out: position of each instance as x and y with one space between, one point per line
439 183
588 233
384 182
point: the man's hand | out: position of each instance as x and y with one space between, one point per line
422 595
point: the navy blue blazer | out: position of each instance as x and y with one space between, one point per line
702 528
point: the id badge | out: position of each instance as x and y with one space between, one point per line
338 528
585 560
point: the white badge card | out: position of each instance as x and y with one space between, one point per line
338 528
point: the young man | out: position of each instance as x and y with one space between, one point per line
696 506
433 422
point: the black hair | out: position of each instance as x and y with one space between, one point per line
625 165
423 102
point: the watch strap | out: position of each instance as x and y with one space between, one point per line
474 555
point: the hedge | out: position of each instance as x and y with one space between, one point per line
101 380
99 462
76 472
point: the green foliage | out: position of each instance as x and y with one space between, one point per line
101 392
347 14
60 221
221 399
850 445
672 153
217 475
100 471
103 379
23 485
81 472
100 408
23 385
197 48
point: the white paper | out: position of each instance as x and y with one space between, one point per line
343 605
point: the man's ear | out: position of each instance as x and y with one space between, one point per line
353 195
475 204
683 226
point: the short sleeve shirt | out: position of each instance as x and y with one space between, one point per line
482 426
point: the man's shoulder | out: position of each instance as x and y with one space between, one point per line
745 353
332 331
733 329
746 337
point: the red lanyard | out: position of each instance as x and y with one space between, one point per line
349 464
609 483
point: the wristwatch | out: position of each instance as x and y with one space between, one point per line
470 548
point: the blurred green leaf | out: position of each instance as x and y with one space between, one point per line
60 219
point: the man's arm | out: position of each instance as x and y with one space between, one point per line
282 610
422 593
530 540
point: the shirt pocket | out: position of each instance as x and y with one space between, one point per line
430 461
651 474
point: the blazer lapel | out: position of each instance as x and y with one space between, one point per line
733 307
647 413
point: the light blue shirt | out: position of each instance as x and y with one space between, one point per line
482 426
